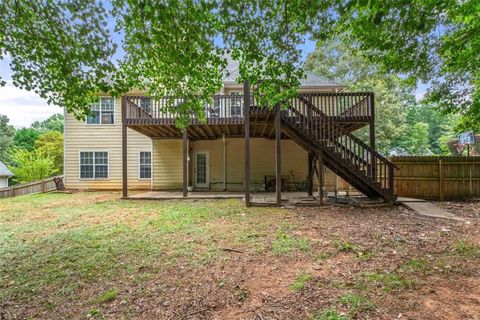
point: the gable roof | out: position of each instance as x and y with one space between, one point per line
4 172
311 79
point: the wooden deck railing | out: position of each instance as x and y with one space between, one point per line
41 186
320 122
342 106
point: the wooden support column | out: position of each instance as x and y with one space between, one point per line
320 178
310 175
372 121
124 149
185 163
372 134
246 126
278 155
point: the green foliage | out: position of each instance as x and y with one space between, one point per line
390 282
107 296
416 265
25 139
435 41
417 139
399 117
177 48
53 123
441 128
64 50
330 314
344 246
301 281
60 49
7 132
285 243
50 145
356 303
240 293
335 59
31 165
467 249
34 153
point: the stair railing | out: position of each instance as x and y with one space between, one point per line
324 130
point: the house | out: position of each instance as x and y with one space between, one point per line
5 174
132 143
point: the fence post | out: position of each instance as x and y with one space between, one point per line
440 181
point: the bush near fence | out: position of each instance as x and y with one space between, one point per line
45 185
437 178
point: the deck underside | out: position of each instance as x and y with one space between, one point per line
261 126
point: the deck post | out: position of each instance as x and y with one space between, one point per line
185 163
124 149
278 155
372 121
310 175
246 126
320 178
372 133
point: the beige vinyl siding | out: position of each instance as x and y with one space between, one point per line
168 163
82 137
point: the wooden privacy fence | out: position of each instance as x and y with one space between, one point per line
437 178
41 186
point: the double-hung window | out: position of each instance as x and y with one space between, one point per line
145 165
102 112
146 104
93 165
236 101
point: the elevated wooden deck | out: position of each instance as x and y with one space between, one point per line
225 115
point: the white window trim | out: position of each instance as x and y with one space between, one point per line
114 114
151 165
80 166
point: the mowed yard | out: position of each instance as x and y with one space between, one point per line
92 255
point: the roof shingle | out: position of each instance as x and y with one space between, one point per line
4 172
311 79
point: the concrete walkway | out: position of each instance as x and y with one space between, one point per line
428 209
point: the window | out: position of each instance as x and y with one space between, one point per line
146 104
102 112
145 168
94 165
236 101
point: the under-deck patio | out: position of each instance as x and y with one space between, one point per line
257 199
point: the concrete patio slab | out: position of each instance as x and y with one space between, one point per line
428 209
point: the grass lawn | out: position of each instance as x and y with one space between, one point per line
92 255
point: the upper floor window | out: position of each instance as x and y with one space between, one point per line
236 101
102 112
146 104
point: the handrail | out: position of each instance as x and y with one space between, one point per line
366 146
230 106
325 131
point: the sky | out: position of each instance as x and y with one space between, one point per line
23 107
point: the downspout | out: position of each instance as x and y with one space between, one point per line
224 163
64 148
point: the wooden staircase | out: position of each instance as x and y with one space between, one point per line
330 136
